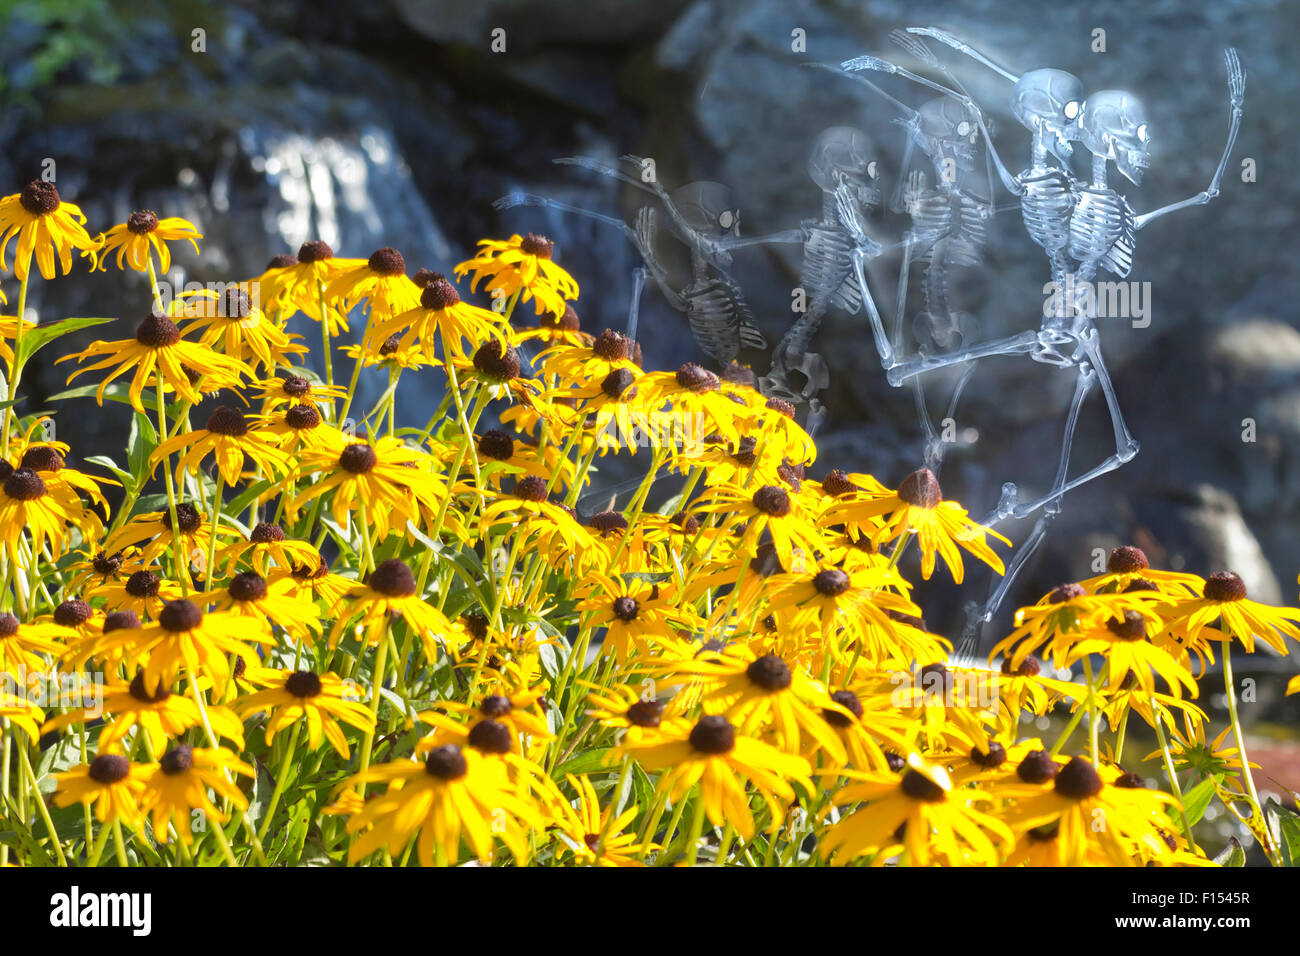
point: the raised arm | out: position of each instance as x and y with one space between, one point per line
1236 99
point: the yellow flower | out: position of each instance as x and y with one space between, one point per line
234 319
158 347
43 510
180 783
141 232
596 838
379 283
521 264
43 224
299 285
390 593
111 782
321 699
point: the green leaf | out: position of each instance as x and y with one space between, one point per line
1289 824
1234 855
1197 800
42 335
590 761
117 391
140 444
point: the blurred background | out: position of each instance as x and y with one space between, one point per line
395 123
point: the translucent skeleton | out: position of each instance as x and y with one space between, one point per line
1101 233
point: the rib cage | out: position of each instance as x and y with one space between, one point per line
1102 231
720 320
828 269
1046 206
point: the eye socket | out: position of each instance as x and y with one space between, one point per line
1071 109
963 128
871 169
1142 133
726 219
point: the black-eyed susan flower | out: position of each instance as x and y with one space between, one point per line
919 812
22 713
186 639
299 285
278 603
535 517
378 283
142 232
634 613
142 592
159 349
698 400
233 320
266 546
44 511
314 581
440 317
43 224
1223 597
301 426
322 700
231 440
452 793
21 645
768 508
1064 615
714 754
111 782
179 785
625 708
382 479
918 507
389 593
153 531
289 390
159 714
595 836
521 265
1124 643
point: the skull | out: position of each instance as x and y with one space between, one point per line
944 129
1113 125
709 208
1049 102
841 155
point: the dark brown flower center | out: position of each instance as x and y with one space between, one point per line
157 331
390 345
302 417
688 523
921 489
314 251
8 625
24 485
248 586
234 303
744 453
1133 627
72 613
738 374
142 222
920 787
142 584
770 673
107 564
1078 780
495 705
994 756
1130 781
439 294
625 608
42 458
645 713
39 198
1038 767
187 516
358 459
392 578
145 696
606 521
496 444
569 321
849 701
495 362
837 483
227 421
109 768
1066 592
831 582
610 345
121 620
387 262
423 277
295 386
282 261
1219 586
772 500
303 684
531 488
696 379
264 532
538 246
713 735
177 760
181 615
620 383
491 737
446 763
781 406
1127 559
